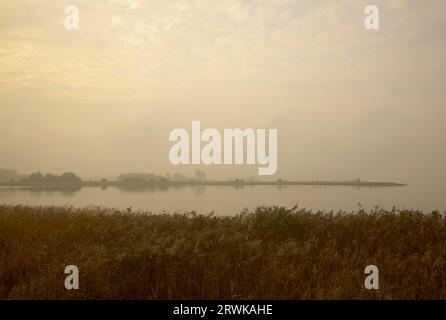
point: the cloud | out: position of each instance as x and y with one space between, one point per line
229 63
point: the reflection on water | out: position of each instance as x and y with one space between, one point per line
65 191
229 200
40 191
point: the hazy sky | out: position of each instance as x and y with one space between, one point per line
347 102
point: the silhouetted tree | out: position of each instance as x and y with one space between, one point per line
200 175
37 176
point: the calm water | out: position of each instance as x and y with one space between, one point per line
228 200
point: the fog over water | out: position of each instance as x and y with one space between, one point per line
347 102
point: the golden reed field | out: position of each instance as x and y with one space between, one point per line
269 253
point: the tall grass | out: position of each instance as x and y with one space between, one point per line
270 253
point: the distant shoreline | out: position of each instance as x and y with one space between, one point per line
236 182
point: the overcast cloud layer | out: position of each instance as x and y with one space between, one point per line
347 102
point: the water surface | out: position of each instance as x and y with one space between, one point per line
229 200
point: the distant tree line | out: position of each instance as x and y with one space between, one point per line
7 175
38 177
135 178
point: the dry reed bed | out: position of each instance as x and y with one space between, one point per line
269 253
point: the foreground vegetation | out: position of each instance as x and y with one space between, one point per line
271 253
